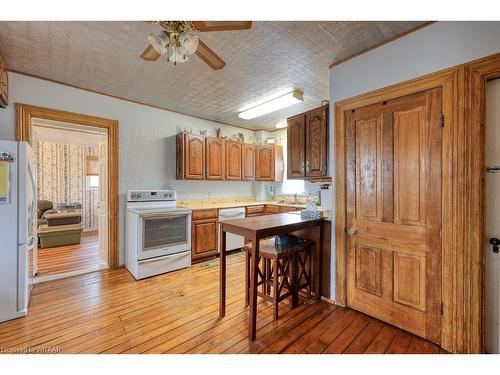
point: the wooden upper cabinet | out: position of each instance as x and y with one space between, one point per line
317 142
307 145
248 161
4 85
264 163
190 157
210 158
194 157
296 147
214 158
233 160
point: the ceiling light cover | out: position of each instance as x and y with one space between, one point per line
189 42
159 42
177 55
272 105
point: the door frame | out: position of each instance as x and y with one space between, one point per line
453 213
463 235
477 73
25 113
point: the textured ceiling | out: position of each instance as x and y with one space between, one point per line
265 60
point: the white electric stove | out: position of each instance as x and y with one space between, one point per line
158 233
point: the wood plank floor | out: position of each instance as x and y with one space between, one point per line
110 312
60 259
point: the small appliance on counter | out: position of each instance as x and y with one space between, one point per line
158 233
326 197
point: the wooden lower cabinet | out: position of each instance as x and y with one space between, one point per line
204 235
270 210
255 210
289 209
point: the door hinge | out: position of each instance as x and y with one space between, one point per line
441 308
441 120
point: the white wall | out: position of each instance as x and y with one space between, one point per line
433 48
147 138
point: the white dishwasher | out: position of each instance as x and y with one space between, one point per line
233 241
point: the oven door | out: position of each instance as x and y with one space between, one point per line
163 233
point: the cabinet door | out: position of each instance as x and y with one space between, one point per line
233 160
289 209
264 163
271 210
296 147
248 161
317 142
203 239
4 85
194 162
214 158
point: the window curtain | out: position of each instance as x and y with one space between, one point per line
61 178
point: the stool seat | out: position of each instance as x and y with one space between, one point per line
268 249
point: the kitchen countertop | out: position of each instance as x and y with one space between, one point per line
207 204
204 204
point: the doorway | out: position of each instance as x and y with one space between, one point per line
492 213
72 201
108 185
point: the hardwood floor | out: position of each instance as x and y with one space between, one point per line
60 259
110 312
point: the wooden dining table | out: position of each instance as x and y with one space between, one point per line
255 229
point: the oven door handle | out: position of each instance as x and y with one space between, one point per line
163 215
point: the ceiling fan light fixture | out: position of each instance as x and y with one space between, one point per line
177 55
272 105
189 42
159 42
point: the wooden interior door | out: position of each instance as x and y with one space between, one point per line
316 142
393 212
233 160
248 161
194 162
296 133
264 165
214 158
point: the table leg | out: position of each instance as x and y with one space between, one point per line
319 269
222 283
293 267
252 326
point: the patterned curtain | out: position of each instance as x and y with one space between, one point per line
61 178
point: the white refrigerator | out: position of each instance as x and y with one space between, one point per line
18 226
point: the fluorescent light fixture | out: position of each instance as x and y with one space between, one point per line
281 125
272 105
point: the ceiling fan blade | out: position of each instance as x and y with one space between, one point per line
150 54
209 56
221 25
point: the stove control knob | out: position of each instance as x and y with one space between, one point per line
139 195
133 195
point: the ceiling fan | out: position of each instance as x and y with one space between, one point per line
179 39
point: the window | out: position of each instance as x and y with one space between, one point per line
293 186
92 182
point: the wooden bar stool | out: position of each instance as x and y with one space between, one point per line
282 272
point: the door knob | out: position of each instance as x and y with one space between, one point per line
350 231
495 242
